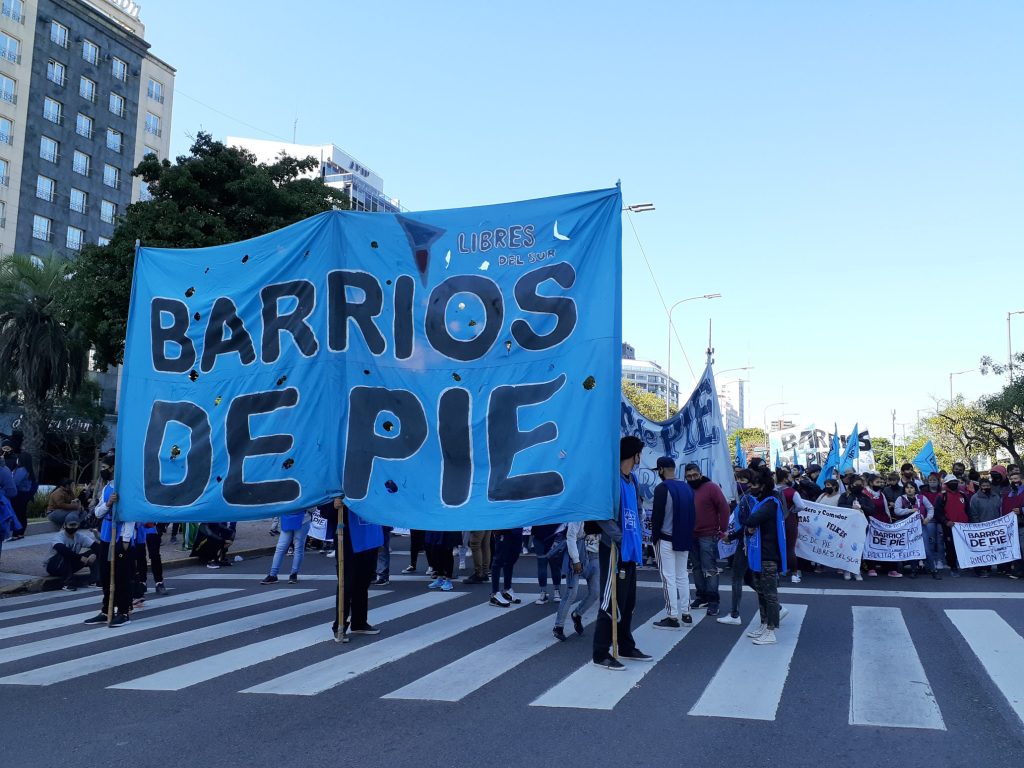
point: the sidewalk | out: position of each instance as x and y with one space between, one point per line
22 569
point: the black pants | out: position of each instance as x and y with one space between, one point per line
20 504
66 566
625 596
123 570
441 559
506 550
416 546
152 547
360 569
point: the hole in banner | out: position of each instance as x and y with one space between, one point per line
589 383
391 486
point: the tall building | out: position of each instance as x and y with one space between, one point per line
628 352
338 169
82 100
731 401
650 376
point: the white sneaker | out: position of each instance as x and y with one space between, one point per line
783 612
430 572
766 638
510 595
758 632
795 578
847 576
333 553
858 577
729 619
544 598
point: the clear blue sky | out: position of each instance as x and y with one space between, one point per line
850 176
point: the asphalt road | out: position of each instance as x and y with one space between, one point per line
225 672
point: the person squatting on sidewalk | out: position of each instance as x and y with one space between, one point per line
672 524
72 551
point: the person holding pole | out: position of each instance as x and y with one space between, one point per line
359 541
116 581
619 554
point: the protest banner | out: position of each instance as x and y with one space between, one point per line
984 544
318 526
812 444
694 435
831 536
895 542
443 370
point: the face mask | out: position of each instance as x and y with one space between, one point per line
952 486
105 475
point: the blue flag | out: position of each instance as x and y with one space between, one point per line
778 460
741 456
796 459
832 461
852 452
925 460
442 370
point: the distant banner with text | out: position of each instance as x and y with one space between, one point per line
831 536
895 542
992 543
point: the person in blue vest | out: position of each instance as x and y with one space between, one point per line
624 530
672 523
293 531
766 552
362 540
123 535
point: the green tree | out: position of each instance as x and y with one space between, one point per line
753 440
214 195
882 449
649 405
42 356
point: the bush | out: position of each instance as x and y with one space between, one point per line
37 504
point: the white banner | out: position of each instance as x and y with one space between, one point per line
318 528
694 435
982 544
812 446
895 542
831 536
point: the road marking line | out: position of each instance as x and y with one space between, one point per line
51 607
39 597
749 683
998 647
885 667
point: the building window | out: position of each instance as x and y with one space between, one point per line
82 164
5 173
117 104
87 89
56 72
41 227
14 9
144 193
150 151
153 124
6 131
75 238
90 52
111 177
119 69
79 201
49 149
3 215
10 48
108 211
59 34
46 188
83 126
7 88
114 139
101 240
155 90
53 110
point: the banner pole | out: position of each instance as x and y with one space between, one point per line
112 558
339 539
614 571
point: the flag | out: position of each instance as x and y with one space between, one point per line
796 460
741 456
778 460
925 460
852 452
832 460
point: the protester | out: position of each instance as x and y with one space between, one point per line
293 531
807 486
384 559
855 497
712 521
985 506
830 495
672 533
576 563
60 502
543 540
793 504
441 558
742 477
361 541
766 554
24 486
1000 484
416 546
740 574
623 532
73 550
909 475
122 535
952 506
1013 502
507 548
212 544
150 537
967 486
480 548
892 490
909 504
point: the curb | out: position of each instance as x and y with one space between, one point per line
33 584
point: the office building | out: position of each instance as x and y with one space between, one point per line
731 401
650 376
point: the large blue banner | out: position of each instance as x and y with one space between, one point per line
445 370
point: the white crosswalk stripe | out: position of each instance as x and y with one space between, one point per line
69 621
210 667
36 598
894 676
749 683
52 607
999 649
335 671
590 687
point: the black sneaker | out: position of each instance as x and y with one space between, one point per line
635 655
224 563
269 580
70 587
99 618
698 603
577 623
687 618
367 630
612 665
120 620
409 569
667 623
511 597
380 581
293 578
712 611
559 633
160 588
474 578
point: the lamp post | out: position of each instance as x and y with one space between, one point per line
668 370
1009 342
951 375
764 416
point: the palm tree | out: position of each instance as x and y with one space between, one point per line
41 354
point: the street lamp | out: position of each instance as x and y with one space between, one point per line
951 375
764 415
668 384
639 207
1009 342
744 368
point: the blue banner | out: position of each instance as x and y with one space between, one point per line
443 370
926 460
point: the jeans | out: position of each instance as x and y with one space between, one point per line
480 546
625 596
935 544
384 557
767 584
740 576
543 538
675 584
570 587
298 538
705 569
506 551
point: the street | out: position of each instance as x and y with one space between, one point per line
225 672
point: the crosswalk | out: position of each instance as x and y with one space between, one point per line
279 639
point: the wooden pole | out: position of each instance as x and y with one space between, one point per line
613 569
339 538
112 557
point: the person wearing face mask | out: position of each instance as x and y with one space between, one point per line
672 524
122 534
712 522
856 497
935 543
911 503
967 487
1013 502
951 507
892 490
807 484
766 553
1000 485
73 550
830 495
986 506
